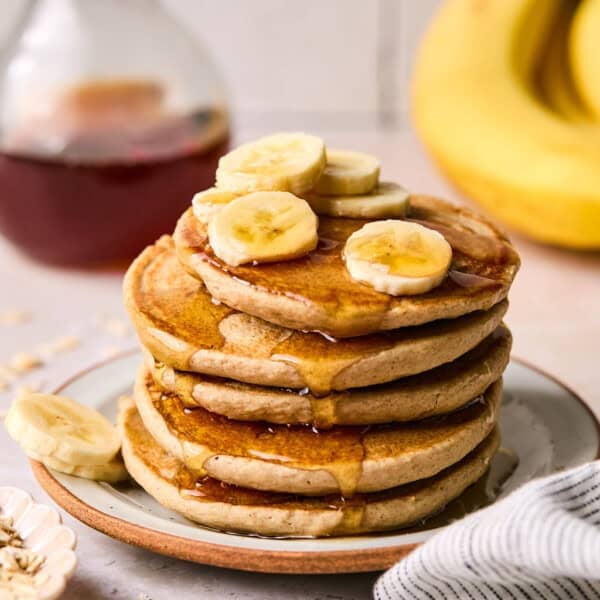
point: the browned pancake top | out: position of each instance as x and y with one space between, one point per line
483 265
156 459
307 446
165 297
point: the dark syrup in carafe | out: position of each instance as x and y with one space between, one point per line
123 171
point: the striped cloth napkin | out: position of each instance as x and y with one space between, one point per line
542 541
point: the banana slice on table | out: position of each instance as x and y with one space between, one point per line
208 203
263 227
348 173
386 200
289 162
111 472
398 257
60 428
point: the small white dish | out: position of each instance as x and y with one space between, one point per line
40 527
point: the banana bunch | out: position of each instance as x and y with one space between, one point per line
269 192
506 96
66 436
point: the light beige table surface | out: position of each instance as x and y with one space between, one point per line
554 315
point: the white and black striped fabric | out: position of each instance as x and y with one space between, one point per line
542 541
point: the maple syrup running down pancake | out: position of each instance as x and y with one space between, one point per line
232 508
360 459
438 391
178 321
316 292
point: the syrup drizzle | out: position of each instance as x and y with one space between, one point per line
203 435
352 510
176 318
320 278
340 451
460 378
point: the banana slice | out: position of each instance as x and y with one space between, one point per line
263 227
398 257
60 428
289 162
208 203
386 200
348 173
111 472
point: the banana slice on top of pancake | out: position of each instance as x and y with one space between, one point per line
398 257
66 436
386 200
263 227
288 162
348 173
208 203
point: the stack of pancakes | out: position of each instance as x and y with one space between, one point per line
287 399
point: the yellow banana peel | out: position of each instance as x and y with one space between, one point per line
556 84
584 52
476 106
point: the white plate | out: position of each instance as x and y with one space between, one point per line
536 410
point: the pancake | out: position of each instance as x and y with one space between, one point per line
435 392
178 321
307 461
317 293
230 508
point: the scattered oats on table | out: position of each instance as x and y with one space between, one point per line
66 343
23 362
14 317
6 377
30 388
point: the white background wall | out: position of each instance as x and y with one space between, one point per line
349 58
345 60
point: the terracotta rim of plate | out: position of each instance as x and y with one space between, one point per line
245 559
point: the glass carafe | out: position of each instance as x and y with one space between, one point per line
111 116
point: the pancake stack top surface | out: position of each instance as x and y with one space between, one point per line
323 351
